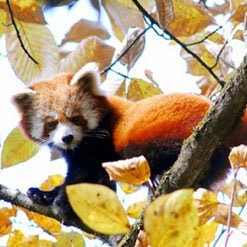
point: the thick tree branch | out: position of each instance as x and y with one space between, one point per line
197 150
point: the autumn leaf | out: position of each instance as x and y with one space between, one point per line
17 148
122 17
42 59
91 49
238 156
132 54
3 17
51 182
49 224
239 13
5 222
206 203
142 240
147 4
193 14
135 209
171 220
98 207
84 29
134 171
165 12
140 89
128 188
204 235
18 239
222 213
28 11
71 239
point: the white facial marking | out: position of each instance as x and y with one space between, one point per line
65 129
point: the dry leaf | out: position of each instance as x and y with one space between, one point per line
51 182
140 89
222 213
122 17
99 208
134 171
142 240
25 10
193 14
206 203
165 12
35 38
132 54
238 156
171 220
84 29
128 188
71 239
91 49
135 209
17 148
204 235
5 222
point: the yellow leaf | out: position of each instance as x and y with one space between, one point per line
204 235
238 156
147 4
91 49
98 207
3 17
135 209
206 203
25 10
128 188
140 89
15 239
131 56
171 220
49 224
5 222
122 17
17 148
193 14
51 182
239 13
84 29
134 171
221 216
240 198
40 44
72 239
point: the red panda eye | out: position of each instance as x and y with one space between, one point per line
75 119
52 124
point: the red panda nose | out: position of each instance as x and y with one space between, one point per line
67 139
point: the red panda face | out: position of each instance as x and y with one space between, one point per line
61 111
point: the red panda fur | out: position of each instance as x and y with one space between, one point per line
70 112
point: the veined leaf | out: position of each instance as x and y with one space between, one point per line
98 207
40 45
24 10
17 148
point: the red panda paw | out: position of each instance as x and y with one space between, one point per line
42 197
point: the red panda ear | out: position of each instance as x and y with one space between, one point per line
22 101
88 77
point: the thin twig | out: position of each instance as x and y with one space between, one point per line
229 220
218 56
18 33
154 22
126 51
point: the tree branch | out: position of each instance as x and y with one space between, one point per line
19 199
197 150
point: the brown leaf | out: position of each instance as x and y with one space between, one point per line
25 10
238 156
165 12
190 18
91 49
134 171
84 29
142 239
122 17
131 54
239 13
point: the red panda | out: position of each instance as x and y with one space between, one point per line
70 112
